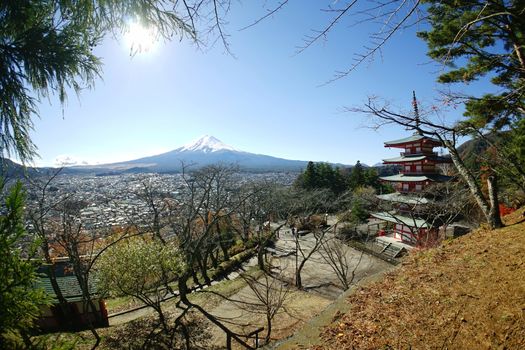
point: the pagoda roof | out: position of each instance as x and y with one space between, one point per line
400 219
405 159
416 178
408 158
401 198
415 137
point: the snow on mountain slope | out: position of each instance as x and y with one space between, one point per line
206 144
207 150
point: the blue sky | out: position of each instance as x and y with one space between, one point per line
265 100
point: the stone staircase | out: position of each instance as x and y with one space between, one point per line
391 250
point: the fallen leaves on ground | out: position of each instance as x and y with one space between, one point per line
468 293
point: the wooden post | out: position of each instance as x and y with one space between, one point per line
256 333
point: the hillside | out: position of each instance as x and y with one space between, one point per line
473 151
467 294
13 170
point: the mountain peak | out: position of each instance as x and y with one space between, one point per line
206 144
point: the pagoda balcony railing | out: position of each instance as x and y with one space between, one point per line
420 153
400 189
415 172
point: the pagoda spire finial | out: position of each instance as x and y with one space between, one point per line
417 120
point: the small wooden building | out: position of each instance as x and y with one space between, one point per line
80 315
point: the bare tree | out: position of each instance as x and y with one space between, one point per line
271 295
308 209
305 249
258 206
56 221
381 115
205 203
79 247
197 220
387 17
251 201
38 215
157 208
341 259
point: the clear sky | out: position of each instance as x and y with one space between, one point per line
264 100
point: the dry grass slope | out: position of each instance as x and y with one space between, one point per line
467 294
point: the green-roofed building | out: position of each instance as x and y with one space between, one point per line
80 315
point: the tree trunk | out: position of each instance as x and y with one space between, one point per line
260 257
298 280
269 331
204 274
495 218
246 232
96 335
224 249
203 269
214 260
183 288
65 312
222 244
195 278
471 182
162 317
186 334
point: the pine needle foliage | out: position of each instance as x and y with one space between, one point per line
20 300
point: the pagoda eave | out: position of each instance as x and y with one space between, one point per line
416 138
416 178
401 219
420 158
397 197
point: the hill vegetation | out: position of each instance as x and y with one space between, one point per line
501 153
319 176
465 294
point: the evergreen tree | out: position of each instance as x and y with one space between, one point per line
20 301
46 47
321 176
516 146
357 176
504 153
338 182
309 178
479 38
358 214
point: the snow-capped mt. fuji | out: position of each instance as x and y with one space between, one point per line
206 150
206 144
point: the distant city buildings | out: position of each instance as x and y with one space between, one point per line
113 201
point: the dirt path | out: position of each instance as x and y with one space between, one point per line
321 288
317 276
141 311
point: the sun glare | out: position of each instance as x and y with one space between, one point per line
140 39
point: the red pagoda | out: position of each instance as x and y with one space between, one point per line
418 171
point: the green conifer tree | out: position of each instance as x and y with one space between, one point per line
475 39
20 300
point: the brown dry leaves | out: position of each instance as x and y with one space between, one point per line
466 294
